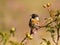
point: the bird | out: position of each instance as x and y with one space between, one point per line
34 22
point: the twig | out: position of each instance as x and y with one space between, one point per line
26 37
23 40
53 38
57 36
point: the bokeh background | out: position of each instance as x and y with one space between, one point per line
16 13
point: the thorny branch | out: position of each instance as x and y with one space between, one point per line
39 28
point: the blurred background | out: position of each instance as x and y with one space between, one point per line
16 13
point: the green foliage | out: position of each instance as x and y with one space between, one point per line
14 43
51 30
1 35
5 36
12 31
53 25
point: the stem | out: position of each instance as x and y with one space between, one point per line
23 40
57 36
52 36
57 33
33 33
26 37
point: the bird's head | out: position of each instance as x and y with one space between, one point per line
34 15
